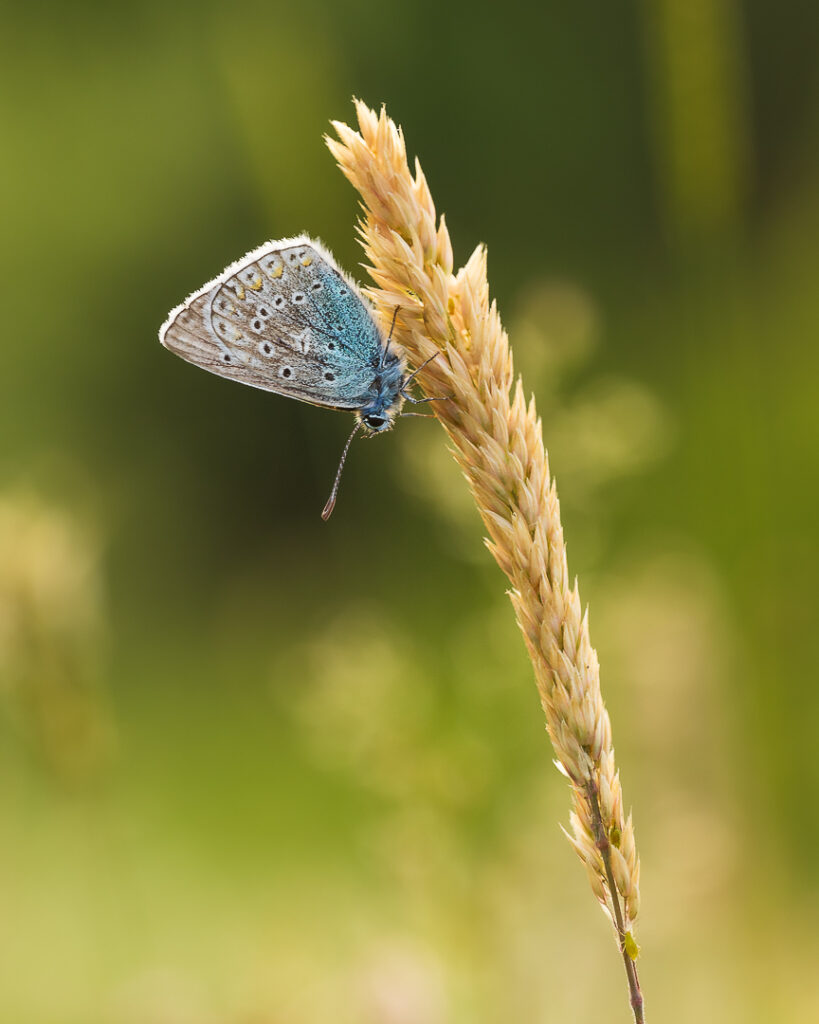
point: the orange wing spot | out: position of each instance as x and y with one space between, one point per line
307 261
240 292
257 284
278 271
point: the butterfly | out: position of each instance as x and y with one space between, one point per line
286 319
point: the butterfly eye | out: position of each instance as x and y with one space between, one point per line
375 421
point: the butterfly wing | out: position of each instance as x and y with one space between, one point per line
282 319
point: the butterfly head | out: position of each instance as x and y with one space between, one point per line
376 423
378 420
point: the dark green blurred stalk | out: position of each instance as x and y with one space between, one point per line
695 50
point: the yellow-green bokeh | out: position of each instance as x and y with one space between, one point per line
255 768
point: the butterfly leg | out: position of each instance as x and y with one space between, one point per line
416 372
389 336
410 378
420 401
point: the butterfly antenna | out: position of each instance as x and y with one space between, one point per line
327 511
395 313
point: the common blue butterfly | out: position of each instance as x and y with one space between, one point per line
285 318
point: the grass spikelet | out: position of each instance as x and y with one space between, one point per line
497 440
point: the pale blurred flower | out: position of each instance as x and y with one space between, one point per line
366 708
50 635
556 329
613 428
358 707
401 985
673 667
673 662
607 428
163 996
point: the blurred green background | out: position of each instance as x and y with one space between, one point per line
258 769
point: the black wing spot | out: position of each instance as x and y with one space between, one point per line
331 345
315 287
226 358
298 297
286 371
257 325
329 376
263 311
278 301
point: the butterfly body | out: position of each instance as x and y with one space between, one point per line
286 319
